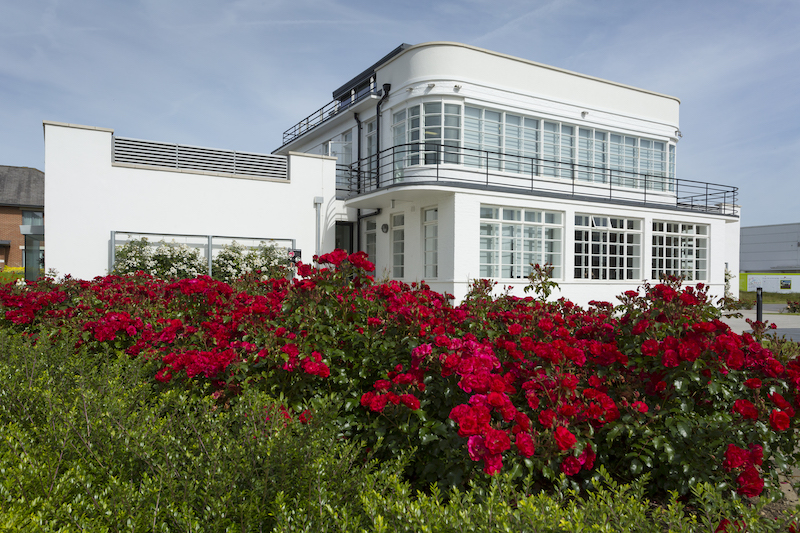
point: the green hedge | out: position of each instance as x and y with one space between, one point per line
89 444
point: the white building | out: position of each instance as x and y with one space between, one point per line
451 163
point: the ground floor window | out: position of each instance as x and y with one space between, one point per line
430 229
398 245
607 248
680 250
371 239
513 239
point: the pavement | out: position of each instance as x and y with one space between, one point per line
787 326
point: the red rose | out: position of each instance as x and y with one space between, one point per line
640 406
524 444
587 457
746 409
410 401
670 358
779 420
547 417
650 347
571 466
735 457
496 441
564 439
753 383
750 484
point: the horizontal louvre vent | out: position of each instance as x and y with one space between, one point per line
192 158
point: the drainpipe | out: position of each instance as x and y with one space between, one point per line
358 181
386 88
318 207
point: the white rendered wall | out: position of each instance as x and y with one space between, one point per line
459 228
86 198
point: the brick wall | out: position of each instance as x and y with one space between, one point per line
10 220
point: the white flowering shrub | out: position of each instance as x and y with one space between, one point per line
166 261
235 261
178 261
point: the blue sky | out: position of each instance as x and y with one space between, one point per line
236 74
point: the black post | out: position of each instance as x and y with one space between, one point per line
759 305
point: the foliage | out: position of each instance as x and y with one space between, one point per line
166 261
11 274
792 307
235 261
657 384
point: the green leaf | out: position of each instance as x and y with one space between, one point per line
636 467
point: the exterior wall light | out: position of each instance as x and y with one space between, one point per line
457 87
385 228
584 113
431 85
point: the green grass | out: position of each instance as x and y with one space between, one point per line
10 276
769 297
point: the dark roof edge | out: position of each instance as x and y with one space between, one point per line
345 89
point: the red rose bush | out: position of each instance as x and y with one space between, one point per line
655 384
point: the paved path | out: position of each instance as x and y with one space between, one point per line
788 325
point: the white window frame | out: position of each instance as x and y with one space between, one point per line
680 249
513 238
607 248
398 245
430 242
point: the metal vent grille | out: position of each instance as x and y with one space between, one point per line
156 154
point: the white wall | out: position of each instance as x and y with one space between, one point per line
86 198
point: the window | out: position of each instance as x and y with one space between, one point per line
513 239
680 250
427 130
371 239
483 138
398 245
483 131
607 248
430 237
32 218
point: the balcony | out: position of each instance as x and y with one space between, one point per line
453 166
328 112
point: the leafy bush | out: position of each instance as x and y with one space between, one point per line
792 307
235 261
166 261
655 385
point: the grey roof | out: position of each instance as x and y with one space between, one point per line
21 186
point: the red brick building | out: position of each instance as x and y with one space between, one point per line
21 204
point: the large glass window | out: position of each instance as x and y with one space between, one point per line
427 131
513 239
680 250
486 138
430 237
607 248
398 245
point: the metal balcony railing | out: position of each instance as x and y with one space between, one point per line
433 163
327 112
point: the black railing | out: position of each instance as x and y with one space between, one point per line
326 112
466 167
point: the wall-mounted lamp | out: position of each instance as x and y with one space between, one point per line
457 87
679 134
431 85
584 113
385 228
410 89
